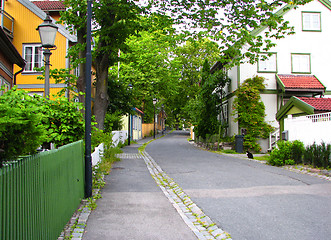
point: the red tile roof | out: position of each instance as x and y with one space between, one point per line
50 5
320 104
300 81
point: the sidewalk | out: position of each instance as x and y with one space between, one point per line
133 206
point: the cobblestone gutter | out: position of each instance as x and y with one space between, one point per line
202 226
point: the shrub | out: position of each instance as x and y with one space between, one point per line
318 155
298 150
29 121
63 121
20 132
282 155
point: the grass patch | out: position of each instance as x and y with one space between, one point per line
262 158
229 151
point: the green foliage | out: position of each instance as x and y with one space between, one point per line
250 112
282 155
20 130
113 121
318 155
295 153
29 121
116 21
234 31
63 121
100 136
63 76
298 149
211 91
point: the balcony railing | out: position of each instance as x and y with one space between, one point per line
7 23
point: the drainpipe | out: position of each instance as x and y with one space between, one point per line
16 75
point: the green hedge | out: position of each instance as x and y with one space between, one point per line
289 153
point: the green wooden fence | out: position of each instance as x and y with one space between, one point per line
40 193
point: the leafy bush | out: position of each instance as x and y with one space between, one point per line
63 121
282 155
20 131
29 121
294 152
298 149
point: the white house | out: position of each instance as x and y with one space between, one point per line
299 64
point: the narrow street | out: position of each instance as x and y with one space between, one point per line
247 199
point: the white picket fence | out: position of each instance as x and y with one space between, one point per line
310 128
118 136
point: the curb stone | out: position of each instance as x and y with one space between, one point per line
201 225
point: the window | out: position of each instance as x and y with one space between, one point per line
311 21
300 63
33 57
5 84
267 64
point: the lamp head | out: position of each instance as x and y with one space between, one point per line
47 32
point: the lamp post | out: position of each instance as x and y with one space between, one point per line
47 32
154 102
129 121
88 111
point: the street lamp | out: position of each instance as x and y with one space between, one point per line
154 102
47 32
129 120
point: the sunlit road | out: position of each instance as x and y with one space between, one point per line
247 199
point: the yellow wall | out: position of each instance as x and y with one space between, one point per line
147 128
25 24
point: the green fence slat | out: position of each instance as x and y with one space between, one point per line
40 193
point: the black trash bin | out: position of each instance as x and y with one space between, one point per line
239 143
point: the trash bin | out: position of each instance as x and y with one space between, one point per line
239 143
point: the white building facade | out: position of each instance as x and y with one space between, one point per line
307 52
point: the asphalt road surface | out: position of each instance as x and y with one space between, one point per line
247 199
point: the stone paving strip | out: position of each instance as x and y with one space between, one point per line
129 155
202 226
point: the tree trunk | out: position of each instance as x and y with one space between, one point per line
101 99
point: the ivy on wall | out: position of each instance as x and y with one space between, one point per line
250 112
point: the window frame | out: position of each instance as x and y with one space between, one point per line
311 30
4 82
33 55
301 54
268 70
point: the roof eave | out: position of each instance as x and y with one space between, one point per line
281 84
294 101
10 51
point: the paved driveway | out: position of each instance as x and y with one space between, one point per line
245 198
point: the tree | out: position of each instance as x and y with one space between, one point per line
148 67
212 89
231 23
116 20
190 58
250 112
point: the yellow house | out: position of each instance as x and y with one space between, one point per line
135 124
26 18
